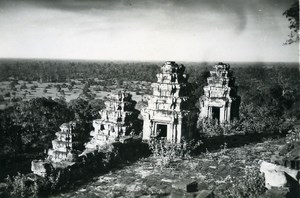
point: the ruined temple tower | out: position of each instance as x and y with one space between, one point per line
166 113
116 120
65 144
220 100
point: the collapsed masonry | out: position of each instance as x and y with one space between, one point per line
165 116
220 100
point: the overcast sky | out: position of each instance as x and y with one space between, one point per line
180 30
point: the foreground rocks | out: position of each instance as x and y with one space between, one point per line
279 176
54 177
283 172
211 171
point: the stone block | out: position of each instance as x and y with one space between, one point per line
202 186
176 194
186 186
192 187
279 160
40 167
278 176
205 194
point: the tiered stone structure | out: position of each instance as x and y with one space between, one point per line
64 152
220 100
116 120
167 107
66 142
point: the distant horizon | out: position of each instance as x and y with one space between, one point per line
142 30
148 61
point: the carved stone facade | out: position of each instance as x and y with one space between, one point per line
220 100
65 143
115 121
167 108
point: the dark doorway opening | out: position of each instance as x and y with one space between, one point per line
161 130
216 113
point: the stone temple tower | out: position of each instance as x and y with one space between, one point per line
220 100
165 116
116 120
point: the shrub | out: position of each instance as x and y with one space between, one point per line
217 156
20 186
293 135
167 152
210 127
251 185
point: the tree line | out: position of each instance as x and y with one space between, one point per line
63 71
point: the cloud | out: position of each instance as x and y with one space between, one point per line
144 29
236 11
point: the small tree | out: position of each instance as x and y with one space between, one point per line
292 14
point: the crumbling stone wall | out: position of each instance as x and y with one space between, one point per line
90 164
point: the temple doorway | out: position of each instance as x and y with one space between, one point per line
161 130
216 113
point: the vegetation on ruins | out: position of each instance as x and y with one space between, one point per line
166 153
269 104
250 185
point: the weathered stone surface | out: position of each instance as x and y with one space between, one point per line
176 194
186 186
164 117
65 145
158 183
278 176
277 192
205 194
285 149
40 167
116 122
202 186
220 100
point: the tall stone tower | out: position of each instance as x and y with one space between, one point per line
115 121
220 100
166 113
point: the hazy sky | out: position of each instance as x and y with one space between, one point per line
180 30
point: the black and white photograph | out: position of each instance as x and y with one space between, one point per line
149 98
